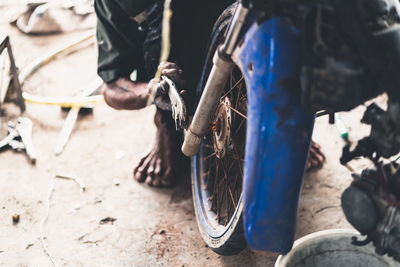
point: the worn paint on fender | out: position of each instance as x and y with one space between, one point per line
276 147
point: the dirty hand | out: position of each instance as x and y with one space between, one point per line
126 94
172 71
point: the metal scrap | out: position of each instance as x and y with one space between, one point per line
19 138
79 181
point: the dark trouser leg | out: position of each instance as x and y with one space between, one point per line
191 28
118 37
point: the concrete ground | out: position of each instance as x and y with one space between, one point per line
148 227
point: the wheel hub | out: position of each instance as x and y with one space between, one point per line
222 133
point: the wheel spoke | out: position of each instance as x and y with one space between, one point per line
233 201
209 156
225 171
232 87
237 111
239 127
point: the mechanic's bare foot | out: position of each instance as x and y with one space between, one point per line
160 167
315 158
126 94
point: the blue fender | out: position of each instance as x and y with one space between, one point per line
278 134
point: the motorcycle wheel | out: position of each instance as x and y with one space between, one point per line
217 170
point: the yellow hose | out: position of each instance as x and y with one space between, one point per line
72 101
76 101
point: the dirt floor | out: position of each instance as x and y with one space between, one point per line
145 226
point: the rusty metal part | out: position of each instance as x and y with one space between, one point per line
214 126
222 135
223 150
5 44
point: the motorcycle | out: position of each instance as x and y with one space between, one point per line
271 68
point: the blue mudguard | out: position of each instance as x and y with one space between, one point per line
278 134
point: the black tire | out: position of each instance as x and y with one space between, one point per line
221 225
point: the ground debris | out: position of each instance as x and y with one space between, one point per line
325 208
76 179
116 182
96 242
109 220
97 200
15 218
29 246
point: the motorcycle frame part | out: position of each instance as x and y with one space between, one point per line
5 44
371 206
222 66
279 133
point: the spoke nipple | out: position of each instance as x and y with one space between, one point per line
214 127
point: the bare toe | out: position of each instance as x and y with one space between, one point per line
165 161
168 178
157 173
150 171
315 158
139 173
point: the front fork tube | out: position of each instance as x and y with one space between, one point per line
278 134
214 87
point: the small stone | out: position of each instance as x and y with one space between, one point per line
15 218
116 182
109 220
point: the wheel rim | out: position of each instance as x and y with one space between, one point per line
221 157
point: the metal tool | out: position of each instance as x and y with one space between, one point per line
19 138
66 130
73 116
